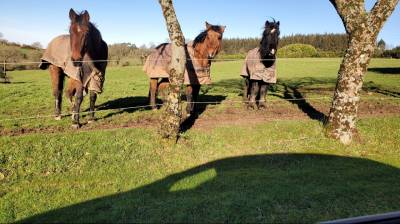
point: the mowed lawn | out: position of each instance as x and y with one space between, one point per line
229 166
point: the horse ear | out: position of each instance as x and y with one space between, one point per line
278 23
72 15
86 16
208 26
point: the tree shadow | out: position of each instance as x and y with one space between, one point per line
373 87
284 188
201 107
293 92
386 71
124 105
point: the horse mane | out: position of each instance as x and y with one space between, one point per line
203 35
95 33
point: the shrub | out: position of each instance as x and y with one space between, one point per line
297 51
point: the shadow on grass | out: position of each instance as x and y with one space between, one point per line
289 89
300 188
293 92
386 71
205 101
129 105
373 87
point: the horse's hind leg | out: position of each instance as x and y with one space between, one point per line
75 90
153 93
93 98
255 88
246 89
263 95
57 83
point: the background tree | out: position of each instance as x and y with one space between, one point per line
37 45
172 112
362 28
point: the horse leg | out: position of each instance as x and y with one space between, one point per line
263 95
57 83
163 88
246 90
189 100
75 90
192 93
255 88
93 98
153 93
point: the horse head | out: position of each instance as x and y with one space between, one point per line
79 35
209 42
270 39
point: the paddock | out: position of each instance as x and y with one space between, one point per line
119 166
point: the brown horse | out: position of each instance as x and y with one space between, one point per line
82 56
200 53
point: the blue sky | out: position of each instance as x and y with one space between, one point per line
141 21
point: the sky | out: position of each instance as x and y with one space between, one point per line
141 21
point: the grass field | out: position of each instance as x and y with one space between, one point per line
230 165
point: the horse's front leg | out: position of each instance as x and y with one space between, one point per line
255 88
93 98
263 95
192 93
75 90
57 82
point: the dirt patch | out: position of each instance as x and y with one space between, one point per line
233 114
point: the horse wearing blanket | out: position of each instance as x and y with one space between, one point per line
199 54
259 70
82 56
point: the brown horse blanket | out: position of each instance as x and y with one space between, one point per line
157 65
256 70
58 53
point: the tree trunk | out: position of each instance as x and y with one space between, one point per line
172 110
363 29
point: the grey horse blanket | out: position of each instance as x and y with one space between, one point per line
157 63
256 70
58 53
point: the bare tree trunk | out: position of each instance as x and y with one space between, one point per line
363 29
172 112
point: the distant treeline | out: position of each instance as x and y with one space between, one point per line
336 43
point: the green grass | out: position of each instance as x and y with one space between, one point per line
277 171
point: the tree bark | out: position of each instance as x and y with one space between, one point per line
363 29
172 110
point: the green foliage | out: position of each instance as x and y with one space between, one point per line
297 51
394 53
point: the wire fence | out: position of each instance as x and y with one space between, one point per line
36 117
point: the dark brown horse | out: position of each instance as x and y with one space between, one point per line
259 70
199 53
82 56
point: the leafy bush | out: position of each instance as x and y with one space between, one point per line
297 51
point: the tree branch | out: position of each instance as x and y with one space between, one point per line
380 13
352 13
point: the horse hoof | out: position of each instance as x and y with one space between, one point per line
262 107
76 126
57 118
251 106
